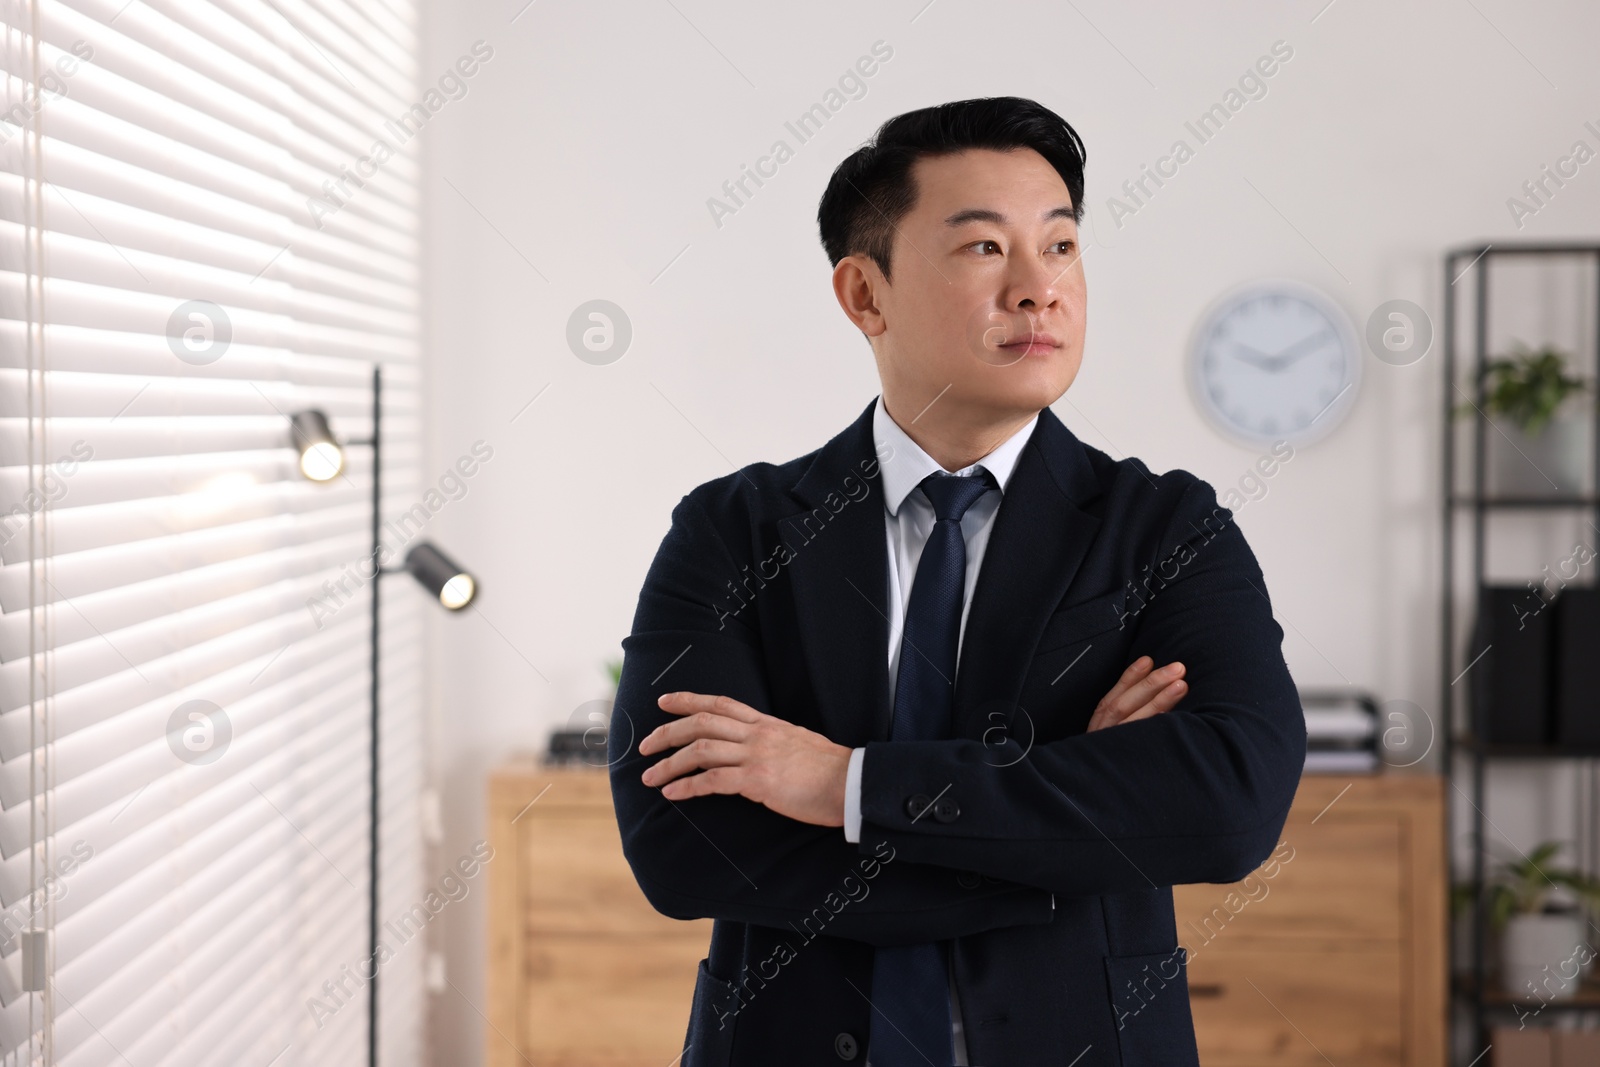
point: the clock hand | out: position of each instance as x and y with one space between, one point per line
1283 359
1261 359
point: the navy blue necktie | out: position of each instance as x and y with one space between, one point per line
910 995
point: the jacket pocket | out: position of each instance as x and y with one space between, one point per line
1076 623
712 1013
1150 1008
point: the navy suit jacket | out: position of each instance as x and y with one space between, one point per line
1048 854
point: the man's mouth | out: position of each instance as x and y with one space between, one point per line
1031 344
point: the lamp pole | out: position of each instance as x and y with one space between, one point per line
372 847
310 428
455 589
378 571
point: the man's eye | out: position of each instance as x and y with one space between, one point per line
1065 247
979 245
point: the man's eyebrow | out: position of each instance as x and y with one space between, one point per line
983 214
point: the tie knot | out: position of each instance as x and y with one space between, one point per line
951 495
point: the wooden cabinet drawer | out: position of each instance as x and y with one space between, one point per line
608 1002
1343 877
1331 954
1276 1008
582 971
574 878
1333 949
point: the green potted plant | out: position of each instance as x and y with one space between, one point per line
1543 950
1537 442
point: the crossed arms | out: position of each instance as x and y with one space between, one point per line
730 812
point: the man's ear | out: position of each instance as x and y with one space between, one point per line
857 281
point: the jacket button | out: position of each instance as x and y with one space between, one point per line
844 1046
967 880
916 805
947 810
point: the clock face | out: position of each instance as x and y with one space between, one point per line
1275 361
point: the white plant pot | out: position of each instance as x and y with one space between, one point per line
1540 957
1555 462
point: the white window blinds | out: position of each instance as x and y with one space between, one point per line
197 240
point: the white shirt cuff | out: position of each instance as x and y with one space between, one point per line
852 797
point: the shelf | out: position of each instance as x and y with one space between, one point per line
1586 999
1474 502
1524 503
1548 248
1510 750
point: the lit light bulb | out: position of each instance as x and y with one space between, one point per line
322 461
458 592
441 576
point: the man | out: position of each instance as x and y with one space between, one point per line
889 711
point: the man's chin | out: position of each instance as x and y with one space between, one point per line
1029 390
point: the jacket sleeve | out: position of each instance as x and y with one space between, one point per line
727 857
1199 793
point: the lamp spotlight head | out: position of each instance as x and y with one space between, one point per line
321 458
441 576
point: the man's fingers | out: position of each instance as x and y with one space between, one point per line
696 755
702 715
689 703
1107 710
1145 689
1140 682
697 725
1164 701
1137 689
717 780
1136 671
1168 698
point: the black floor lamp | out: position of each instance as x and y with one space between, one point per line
322 460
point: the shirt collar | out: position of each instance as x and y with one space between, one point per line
907 464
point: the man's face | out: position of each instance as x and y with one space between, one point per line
985 316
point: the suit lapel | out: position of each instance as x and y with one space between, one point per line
1038 541
839 572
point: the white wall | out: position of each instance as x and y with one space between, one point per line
578 166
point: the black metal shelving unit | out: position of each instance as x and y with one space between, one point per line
1477 989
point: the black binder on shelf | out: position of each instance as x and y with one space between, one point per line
1577 666
1511 680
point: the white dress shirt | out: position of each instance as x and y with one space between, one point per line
908 520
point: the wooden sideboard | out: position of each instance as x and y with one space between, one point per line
1332 950
583 972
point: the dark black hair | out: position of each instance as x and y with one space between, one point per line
873 189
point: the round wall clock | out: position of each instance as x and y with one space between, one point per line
1275 360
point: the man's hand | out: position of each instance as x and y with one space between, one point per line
1139 694
738 749
799 773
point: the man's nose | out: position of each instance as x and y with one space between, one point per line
1033 285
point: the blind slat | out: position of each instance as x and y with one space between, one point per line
201 152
